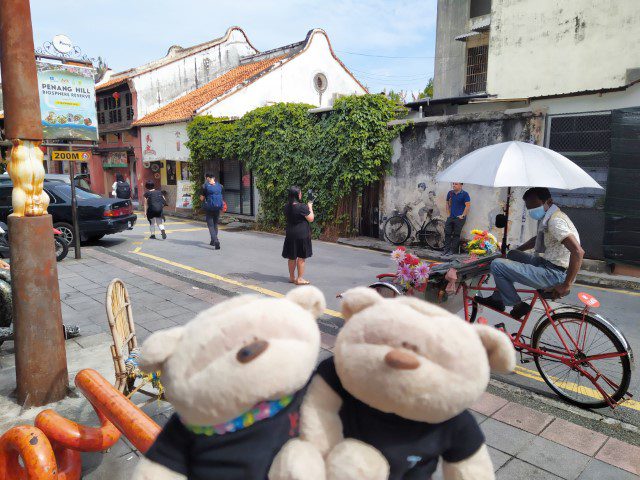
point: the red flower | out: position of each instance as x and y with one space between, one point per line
411 260
401 248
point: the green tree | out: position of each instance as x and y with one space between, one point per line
428 90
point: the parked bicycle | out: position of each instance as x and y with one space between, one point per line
583 357
399 227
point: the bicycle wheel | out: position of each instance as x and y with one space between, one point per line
587 338
397 229
385 289
433 234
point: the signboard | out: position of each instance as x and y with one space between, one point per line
116 160
67 102
80 156
183 194
165 142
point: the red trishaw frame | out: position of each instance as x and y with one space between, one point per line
519 341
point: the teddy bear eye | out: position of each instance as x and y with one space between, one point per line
410 346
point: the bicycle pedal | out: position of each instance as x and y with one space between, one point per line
501 326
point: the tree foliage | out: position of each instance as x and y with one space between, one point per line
333 153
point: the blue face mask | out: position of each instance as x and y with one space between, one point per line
537 213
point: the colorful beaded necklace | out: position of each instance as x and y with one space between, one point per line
260 411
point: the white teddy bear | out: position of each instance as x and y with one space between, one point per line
236 375
393 399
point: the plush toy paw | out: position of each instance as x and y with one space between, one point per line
298 460
148 470
355 460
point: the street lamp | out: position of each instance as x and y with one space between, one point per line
41 364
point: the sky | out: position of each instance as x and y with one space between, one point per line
387 44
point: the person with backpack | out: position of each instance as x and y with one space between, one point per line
121 188
212 203
155 202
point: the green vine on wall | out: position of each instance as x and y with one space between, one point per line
334 153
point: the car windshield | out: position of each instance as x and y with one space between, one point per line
65 192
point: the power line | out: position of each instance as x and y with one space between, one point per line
382 75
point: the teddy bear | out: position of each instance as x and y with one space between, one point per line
393 398
236 375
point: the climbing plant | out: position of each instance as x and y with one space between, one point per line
209 138
334 153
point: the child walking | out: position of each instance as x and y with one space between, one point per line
155 202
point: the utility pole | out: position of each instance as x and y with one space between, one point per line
41 364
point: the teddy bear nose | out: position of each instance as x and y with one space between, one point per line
401 360
251 351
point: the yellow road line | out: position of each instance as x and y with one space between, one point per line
143 225
572 387
137 249
255 288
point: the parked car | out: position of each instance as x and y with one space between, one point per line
97 216
81 179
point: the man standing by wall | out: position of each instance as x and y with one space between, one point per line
458 203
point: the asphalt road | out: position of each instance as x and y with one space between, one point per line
251 261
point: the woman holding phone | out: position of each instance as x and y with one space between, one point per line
297 242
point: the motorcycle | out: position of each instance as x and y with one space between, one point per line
61 244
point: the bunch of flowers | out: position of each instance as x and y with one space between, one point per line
482 243
412 273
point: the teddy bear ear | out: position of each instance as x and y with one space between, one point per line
502 355
357 299
308 297
159 347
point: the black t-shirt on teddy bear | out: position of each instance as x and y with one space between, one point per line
411 448
241 455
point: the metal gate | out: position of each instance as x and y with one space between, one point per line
622 205
585 139
370 218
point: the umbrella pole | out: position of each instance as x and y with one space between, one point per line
506 226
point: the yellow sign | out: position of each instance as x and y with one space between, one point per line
80 156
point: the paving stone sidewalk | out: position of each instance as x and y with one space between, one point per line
523 443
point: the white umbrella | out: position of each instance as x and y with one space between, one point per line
517 164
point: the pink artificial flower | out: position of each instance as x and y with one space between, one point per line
398 255
405 273
421 272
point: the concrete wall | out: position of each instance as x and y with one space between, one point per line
546 47
164 84
292 82
428 147
450 61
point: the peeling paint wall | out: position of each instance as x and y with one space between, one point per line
425 149
546 47
169 81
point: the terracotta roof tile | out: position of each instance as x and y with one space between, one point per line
184 107
114 82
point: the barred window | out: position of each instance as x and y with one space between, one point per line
477 59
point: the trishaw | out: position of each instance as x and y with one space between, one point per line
583 357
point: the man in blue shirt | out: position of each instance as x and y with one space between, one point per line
458 203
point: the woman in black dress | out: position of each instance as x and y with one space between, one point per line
297 243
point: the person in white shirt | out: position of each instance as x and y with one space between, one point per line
119 178
554 264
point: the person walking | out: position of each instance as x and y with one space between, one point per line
212 202
297 242
121 188
458 204
154 202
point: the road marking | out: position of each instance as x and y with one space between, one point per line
586 391
137 249
137 243
142 225
255 288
